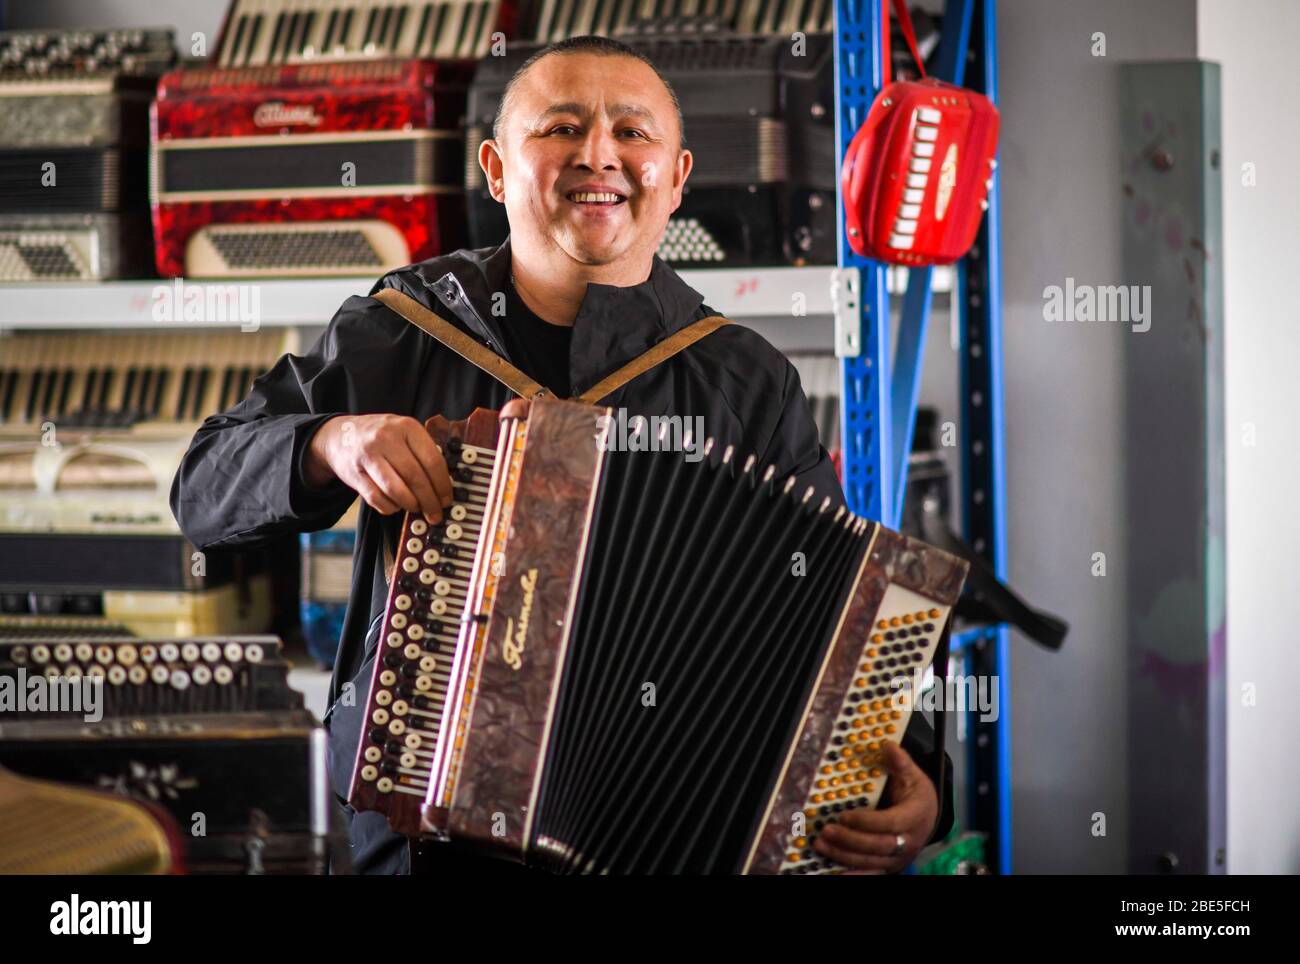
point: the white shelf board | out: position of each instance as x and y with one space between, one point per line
739 293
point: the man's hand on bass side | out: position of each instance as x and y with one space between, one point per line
867 840
389 460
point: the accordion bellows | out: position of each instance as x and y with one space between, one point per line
613 661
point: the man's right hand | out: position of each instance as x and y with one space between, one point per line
390 461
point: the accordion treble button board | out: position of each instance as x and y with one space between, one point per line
426 609
877 709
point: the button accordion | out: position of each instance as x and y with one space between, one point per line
760 123
74 140
626 662
207 728
326 140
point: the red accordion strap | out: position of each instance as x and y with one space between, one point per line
909 34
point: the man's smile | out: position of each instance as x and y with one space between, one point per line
595 196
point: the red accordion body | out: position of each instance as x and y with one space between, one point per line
916 176
308 169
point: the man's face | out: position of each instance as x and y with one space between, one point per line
588 120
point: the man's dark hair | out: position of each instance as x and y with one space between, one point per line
588 44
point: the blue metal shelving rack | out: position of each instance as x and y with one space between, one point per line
878 399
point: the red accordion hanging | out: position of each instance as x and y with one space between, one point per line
916 176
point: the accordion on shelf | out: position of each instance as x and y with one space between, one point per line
327 140
629 662
92 430
760 123
74 141
554 20
205 727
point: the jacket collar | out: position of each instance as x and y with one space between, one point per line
614 325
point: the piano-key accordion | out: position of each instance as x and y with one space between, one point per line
74 140
327 139
620 661
760 123
207 728
92 431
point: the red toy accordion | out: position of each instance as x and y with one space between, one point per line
916 176
308 169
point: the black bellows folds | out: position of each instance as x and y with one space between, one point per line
698 634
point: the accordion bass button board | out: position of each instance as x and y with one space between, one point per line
628 662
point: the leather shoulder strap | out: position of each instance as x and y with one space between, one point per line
507 374
462 344
661 352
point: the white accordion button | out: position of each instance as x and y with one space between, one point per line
414 545
418 528
402 602
189 653
374 754
202 675
379 717
399 621
410 564
396 639
458 513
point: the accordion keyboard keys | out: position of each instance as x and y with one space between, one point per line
879 706
262 32
422 623
200 675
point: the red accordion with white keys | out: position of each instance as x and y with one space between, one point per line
327 140
916 176
308 169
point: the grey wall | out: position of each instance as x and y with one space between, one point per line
1061 217
1262 319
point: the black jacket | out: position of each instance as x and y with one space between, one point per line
242 482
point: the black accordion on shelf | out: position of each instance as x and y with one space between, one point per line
614 658
74 152
759 121
206 728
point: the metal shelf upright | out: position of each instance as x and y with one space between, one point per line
879 394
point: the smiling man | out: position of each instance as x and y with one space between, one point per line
588 157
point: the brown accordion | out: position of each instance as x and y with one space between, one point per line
613 659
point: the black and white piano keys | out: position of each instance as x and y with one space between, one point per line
261 32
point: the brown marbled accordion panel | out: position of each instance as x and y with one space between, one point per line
543 548
894 558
